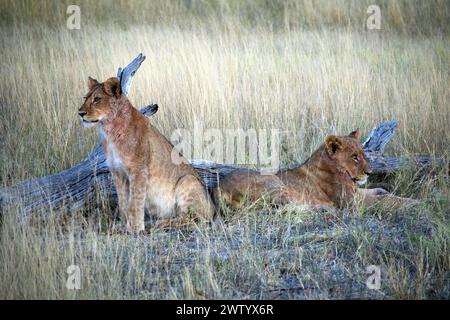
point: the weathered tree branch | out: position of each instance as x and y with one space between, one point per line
379 137
90 180
126 75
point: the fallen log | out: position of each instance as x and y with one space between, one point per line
90 180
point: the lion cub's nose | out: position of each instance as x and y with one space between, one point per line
81 113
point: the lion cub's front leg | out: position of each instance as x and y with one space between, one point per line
123 191
136 202
376 196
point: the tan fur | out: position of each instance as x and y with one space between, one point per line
327 179
139 159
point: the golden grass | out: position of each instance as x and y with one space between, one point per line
306 68
305 83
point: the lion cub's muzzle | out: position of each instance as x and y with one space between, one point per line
85 121
363 180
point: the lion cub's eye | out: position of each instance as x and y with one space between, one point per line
97 99
355 157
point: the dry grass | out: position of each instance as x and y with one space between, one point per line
308 70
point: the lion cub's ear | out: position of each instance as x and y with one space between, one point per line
357 134
333 144
92 83
112 87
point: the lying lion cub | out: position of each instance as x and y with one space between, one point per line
328 178
139 159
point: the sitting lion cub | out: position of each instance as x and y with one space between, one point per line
329 178
139 159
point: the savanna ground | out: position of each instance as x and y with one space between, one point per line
308 68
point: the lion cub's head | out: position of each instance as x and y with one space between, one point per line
100 103
347 155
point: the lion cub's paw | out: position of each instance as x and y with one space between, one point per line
378 192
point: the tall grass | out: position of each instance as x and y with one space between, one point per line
307 68
403 16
